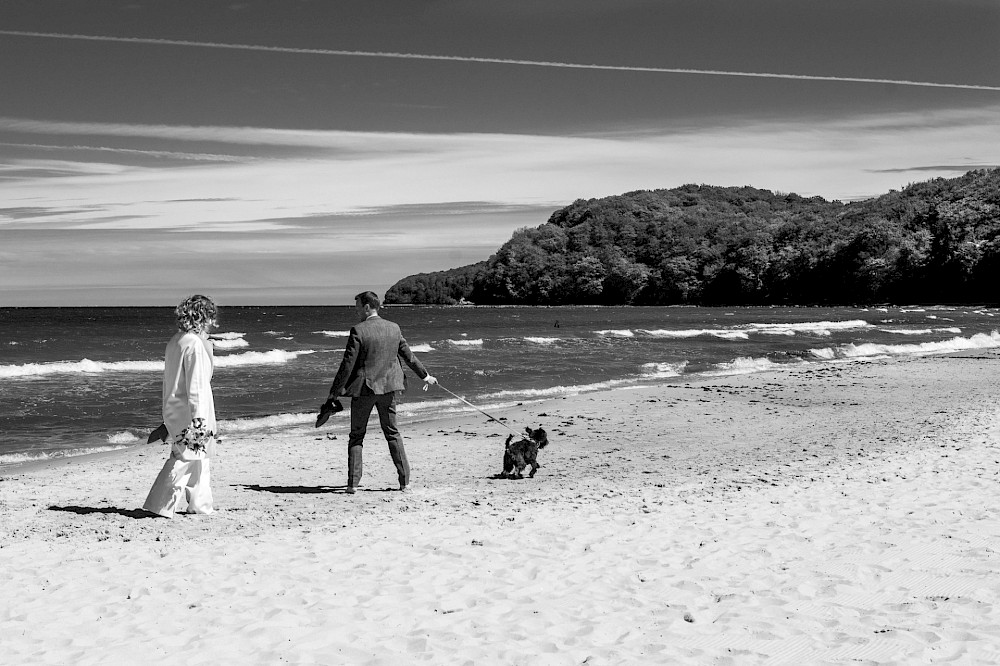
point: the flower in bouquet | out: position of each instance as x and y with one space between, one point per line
196 435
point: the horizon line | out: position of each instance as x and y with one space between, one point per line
497 61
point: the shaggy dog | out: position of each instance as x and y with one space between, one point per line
518 455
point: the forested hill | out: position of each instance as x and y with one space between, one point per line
934 241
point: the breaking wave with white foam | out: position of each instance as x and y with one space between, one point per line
868 349
227 335
36 456
744 331
663 370
542 341
86 366
75 367
478 342
617 333
226 344
264 422
920 331
260 358
745 365
123 437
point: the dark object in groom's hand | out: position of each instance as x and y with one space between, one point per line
327 409
160 434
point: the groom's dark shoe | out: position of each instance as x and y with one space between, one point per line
327 409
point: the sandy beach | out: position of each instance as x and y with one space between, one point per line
841 513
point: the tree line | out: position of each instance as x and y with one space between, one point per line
933 241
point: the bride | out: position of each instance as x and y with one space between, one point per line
188 413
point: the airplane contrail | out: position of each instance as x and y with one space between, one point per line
496 61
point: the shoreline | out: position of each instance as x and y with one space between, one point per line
421 420
836 513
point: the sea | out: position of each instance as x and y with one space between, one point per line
81 380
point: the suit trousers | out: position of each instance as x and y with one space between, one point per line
361 409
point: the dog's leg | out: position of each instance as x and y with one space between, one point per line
508 466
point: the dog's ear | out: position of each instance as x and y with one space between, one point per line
528 430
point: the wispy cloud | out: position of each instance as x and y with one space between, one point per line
413 178
937 168
496 61
168 154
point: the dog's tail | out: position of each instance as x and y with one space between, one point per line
507 443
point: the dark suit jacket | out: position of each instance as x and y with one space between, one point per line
372 358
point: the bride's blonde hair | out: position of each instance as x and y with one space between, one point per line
196 313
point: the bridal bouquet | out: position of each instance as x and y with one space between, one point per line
196 436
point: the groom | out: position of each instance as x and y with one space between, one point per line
371 374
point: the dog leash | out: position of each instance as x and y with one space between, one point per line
492 418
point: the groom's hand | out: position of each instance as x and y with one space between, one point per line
428 380
328 409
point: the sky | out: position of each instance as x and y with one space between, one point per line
296 152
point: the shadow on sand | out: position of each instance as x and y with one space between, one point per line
293 489
87 510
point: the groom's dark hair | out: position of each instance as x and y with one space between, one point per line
368 298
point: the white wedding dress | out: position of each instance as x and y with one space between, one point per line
185 479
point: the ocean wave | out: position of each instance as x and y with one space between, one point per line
743 331
551 391
230 343
478 342
868 349
264 422
229 335
921 331
659 370
424 347
824 353
542 341
86 366
616 333
724 333
823 328
75 367
123 437
744 365
36 456
260 358
334 334
447 406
